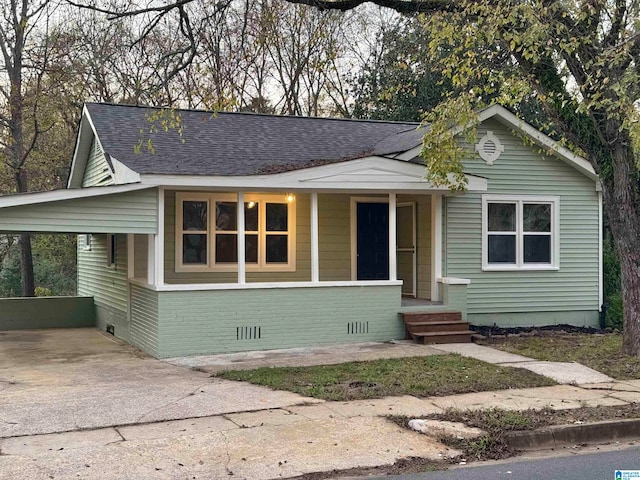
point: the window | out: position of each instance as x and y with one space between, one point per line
207 232
111 250
520 232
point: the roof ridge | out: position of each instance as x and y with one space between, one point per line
300 117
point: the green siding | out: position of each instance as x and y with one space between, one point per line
144 319
107 285
522 170
209 322
97 172
334 237
129 212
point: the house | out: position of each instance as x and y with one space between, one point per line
340 232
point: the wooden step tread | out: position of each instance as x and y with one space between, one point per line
436 322
442 334
429 312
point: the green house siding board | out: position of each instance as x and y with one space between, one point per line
130 212
586 318
97 172
107 285
222 321
522 170
144 319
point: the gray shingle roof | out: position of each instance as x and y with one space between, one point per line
241 143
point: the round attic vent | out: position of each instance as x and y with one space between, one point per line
489 148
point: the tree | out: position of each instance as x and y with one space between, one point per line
18 118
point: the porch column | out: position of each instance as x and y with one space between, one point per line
242 277
151 259
315 258
159 240
393 273
436 241
131 271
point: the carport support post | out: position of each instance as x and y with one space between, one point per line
241 241
393 273
315 267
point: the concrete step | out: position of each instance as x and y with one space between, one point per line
443 337
419 317
434 327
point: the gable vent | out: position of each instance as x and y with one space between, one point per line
356 328
248 333
489 148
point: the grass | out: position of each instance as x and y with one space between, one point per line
434 375
600 352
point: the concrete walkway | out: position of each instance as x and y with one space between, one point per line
561 372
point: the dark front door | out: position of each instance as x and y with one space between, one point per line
373 241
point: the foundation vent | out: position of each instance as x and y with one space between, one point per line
248 333
357 328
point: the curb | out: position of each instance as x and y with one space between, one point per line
562 435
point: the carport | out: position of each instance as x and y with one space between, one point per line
129 210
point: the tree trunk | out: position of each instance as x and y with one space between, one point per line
26 256
621 194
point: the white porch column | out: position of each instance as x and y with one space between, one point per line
315 257
131 266
436 241
393 271
159 240
151 259
242 276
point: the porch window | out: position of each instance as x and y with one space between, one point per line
520 232
207 232
111 250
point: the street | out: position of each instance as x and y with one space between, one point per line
591 466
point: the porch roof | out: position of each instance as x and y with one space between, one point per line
115 209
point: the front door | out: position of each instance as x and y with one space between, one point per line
372 241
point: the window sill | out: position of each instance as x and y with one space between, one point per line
515 268
234 269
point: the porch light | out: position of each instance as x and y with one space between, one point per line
290 198
251 204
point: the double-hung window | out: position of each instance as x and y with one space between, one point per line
207 232
520 232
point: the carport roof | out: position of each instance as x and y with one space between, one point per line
131 208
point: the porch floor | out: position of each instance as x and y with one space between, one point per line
416 302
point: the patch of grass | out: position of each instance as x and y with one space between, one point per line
600 352
434 375
496 422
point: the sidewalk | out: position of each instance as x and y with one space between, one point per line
287 441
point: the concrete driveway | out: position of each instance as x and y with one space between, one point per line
71 379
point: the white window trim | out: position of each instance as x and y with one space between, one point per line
261 200
520 265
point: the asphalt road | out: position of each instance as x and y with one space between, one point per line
593 466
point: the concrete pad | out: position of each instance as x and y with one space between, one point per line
478 401
305 356
261 453
265 417
405 405
315 412
628 397
40 444
480 352
69 379
563 372
176 428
